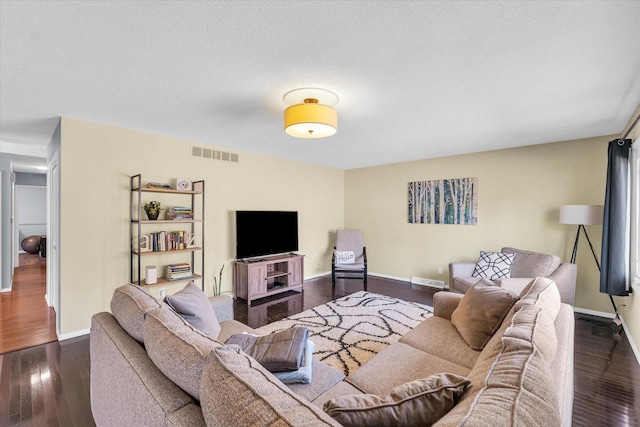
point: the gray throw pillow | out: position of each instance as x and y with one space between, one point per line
194 307
481 312
417 403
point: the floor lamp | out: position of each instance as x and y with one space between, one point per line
582 215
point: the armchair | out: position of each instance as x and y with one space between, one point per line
349 240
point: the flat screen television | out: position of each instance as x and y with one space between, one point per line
260 233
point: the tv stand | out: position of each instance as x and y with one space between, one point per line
255 279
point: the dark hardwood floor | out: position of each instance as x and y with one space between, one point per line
25 318
49 384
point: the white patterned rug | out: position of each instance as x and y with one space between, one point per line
351 330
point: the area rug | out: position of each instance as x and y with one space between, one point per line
351 330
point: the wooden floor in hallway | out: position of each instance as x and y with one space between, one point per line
25 318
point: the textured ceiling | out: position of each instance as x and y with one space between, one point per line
415 79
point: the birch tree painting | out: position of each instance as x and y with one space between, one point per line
444 201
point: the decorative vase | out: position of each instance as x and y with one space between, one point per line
153 216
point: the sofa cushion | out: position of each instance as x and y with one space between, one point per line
481 311
532 264
463 283
543 293
398 364
532 325
518 388
341 388
439 337
194 306
236 390
493 265
232 327
177 348
419 402
129 304
324 378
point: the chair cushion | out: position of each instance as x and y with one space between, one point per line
129 305
350 240
493 265
532 264
419 402
236 390
194 307
481 311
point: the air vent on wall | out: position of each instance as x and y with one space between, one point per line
211 154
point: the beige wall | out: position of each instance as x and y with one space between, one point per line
97 161
520 192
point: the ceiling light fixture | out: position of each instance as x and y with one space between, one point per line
310 113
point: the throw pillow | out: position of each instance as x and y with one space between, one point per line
236 391
345 257
481 312
493 265
194 307
419 402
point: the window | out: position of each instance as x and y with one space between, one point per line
635 216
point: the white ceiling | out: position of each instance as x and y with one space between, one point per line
415 79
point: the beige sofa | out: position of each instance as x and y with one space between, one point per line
526 265
149 367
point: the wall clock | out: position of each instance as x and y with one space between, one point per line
183 184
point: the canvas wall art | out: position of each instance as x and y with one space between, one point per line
444 201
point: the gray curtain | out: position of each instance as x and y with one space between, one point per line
615 233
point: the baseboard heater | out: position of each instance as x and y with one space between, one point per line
439 284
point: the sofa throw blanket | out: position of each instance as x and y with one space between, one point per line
282 351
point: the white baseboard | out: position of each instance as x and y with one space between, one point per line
74 334
634 347
594 312
388 276
316 276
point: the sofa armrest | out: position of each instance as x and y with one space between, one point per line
461 269
444 303
565 278
223 307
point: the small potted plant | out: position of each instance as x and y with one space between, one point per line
152 209
217 283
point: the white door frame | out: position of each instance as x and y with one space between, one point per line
53 236
16 222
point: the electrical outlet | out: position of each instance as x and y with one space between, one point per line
439 270
163 293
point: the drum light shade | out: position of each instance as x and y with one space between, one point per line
310 114
581 214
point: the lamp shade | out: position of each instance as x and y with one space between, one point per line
581 214
310 113
310 120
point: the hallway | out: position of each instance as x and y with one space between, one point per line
25 318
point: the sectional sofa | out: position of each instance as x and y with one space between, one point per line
150 367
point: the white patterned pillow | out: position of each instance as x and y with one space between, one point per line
493 265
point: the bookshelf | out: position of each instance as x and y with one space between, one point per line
167 242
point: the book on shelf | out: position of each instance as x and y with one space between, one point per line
179 212
178 271
163 241
159 185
